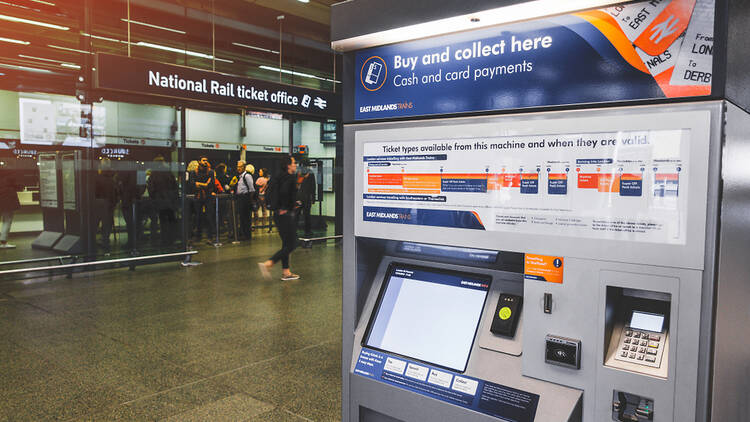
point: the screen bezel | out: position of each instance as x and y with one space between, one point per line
386 281
663 320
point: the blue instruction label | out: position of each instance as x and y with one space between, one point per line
482 396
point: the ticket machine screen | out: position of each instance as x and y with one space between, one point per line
647 321
429 315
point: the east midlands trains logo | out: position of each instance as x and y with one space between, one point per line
373 73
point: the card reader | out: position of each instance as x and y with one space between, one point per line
505 319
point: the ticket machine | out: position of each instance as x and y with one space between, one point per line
519 249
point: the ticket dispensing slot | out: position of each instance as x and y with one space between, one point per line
638 331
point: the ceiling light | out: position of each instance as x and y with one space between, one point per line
60 62
30 69
173 49
30 22
181 51
11 40
291 72
252 47
153 26
304 1
99 37
498 16
16 5
43 2
39 58
75 50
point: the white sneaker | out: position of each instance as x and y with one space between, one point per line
7 246
289 277
264 270
189 264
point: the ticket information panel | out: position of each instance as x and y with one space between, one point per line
616 185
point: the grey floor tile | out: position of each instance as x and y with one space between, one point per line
165 404
238 407
278 415
305 382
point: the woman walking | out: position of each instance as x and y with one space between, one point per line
284 216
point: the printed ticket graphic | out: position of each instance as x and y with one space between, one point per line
624 185
673 41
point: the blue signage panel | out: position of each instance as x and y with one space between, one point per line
424 217
587 57
482 396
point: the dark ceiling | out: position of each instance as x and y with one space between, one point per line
244 33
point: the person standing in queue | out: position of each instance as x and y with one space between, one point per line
105 199
223 179
163 190
205 194
245 193
264 214
306 186
130 195
285 205
191 172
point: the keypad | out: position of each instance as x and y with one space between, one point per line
643 348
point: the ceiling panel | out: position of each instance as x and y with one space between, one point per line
245 34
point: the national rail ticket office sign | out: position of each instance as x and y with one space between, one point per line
646 50
151 78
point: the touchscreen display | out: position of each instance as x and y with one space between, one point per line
428 315
647 321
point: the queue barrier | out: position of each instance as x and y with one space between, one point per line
130 262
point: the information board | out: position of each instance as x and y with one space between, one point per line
619 185
327 174
48 196
69 181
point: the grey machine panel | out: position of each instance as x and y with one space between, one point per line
680 276
731 366
556 403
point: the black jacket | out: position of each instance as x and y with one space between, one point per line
306 193
204 176
163 189
287 191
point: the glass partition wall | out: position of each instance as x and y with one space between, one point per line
116 179
92 176
94 182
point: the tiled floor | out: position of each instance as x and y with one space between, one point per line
213 342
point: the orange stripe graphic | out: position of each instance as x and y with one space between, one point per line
608 27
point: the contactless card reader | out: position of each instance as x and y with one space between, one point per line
505 319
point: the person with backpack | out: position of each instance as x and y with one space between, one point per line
245 193
281 197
